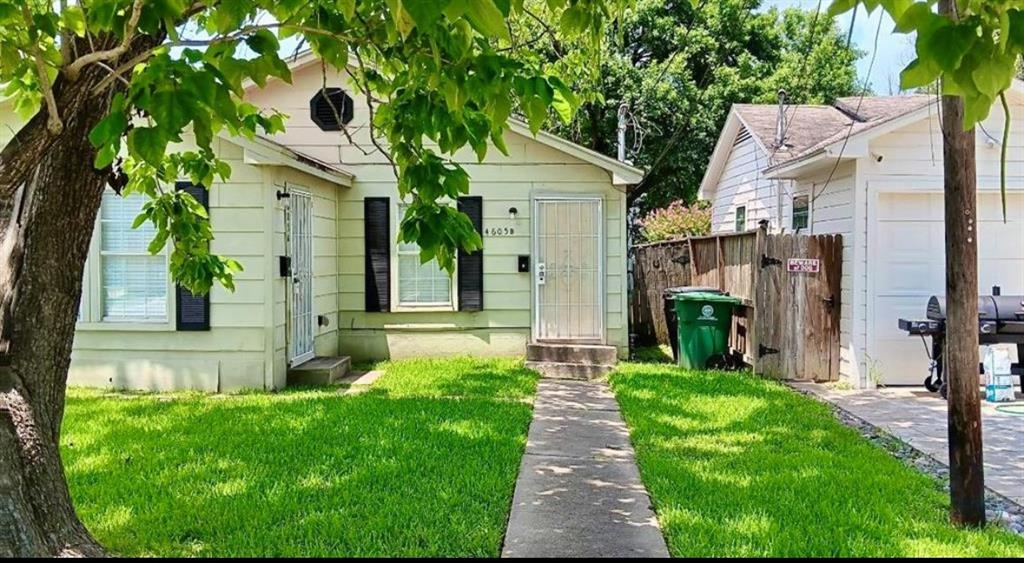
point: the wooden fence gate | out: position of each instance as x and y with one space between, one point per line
788 324
798 307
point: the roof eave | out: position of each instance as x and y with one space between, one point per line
623 175
263 152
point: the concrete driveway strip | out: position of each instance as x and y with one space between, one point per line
579 492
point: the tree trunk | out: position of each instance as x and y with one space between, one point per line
46 229
966 478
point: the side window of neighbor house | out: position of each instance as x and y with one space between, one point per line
801 212
420 285
133 281
741 218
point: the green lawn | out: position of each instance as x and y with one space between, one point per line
739 466
423 464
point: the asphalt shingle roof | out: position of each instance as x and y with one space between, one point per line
812 127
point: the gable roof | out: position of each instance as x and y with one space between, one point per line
623 174
815 130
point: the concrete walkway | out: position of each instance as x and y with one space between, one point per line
919 418
579 492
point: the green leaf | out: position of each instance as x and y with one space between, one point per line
976 109
104 157
400 16
263 41
841 6
72 19
919 73
993 75
948 45
347 7
425 12
111 127
149 144
486 18
915 17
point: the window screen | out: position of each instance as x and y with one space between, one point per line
741 218
420 285
801 212
134 282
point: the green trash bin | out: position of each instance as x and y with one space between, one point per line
705 320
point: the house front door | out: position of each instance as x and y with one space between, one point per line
300 243
568 282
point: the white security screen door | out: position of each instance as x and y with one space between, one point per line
568 271
300 242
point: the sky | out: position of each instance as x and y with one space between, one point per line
895 50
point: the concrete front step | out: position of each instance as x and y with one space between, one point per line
322 370
564 370
583 354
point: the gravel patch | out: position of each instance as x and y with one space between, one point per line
998 509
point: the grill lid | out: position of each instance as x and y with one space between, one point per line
1006 308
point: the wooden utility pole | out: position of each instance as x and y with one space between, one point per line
966 473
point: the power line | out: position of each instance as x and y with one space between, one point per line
860 100
803 72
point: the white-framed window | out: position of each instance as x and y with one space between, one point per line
133 283
741 218
419 285
801 212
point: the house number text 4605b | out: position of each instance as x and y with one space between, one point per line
499 231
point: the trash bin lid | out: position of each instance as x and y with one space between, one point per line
707 296
689 289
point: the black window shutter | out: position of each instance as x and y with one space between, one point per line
377 237
193 311
471 264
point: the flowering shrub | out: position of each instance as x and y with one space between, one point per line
677 221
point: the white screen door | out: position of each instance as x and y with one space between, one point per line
300 241
568 271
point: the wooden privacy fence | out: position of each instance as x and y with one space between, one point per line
788 324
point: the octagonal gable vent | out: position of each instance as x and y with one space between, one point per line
328 105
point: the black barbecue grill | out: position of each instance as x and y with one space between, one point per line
1000 321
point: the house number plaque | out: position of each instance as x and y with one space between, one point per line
499 231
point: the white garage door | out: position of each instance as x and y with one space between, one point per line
908 266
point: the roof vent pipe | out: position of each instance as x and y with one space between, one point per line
780 122
623 113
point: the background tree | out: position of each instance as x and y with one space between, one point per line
679 66
108 87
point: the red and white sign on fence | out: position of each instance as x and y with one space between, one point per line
803 265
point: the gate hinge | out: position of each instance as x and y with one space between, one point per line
763 351
769 261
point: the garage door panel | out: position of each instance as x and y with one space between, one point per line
1001 240
990 207
900 362
907 266
886 325
1007 274
905 278
910 207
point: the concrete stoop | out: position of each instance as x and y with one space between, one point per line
322 370
584 362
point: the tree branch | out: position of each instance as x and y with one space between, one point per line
53 123
76 67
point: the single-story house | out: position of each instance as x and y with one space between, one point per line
871 169
312 215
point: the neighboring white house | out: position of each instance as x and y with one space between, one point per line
871 169
312 214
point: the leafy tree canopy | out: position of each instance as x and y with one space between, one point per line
438 73
679 66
